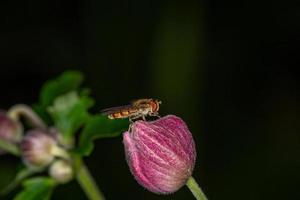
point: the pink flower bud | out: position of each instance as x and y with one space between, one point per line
10 130
161 154
37 148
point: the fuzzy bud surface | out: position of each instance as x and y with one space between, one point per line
161 154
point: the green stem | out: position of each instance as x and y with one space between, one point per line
16 111
9 147
88 184
195 189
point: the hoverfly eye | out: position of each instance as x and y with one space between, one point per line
154 106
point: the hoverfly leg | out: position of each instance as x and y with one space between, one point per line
136 117
130 120
155 115
130 127
130 124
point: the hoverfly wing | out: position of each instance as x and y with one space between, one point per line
108 111
140 102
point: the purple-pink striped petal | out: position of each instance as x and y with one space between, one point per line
161 154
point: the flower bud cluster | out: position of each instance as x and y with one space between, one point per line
40 149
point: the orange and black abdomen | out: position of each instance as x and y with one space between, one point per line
122 114
115 115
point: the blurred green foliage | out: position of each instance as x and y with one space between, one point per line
39 188
66 82
69 112
68 105
99 126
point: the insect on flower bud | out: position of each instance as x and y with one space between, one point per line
161 154
10 130
61 171
39 149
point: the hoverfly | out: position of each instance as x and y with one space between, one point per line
139 108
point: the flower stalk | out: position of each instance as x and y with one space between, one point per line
87 183
16 111
195 189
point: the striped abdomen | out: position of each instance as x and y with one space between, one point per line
122 114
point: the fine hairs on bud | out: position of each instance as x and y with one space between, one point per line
161 154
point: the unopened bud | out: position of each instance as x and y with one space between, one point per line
61 171
10 130
39 149
161 154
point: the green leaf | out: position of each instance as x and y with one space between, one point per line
21 175
69 112
99 126
39 188
66 82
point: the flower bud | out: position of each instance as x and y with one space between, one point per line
61 171
38 148
161 154
10 130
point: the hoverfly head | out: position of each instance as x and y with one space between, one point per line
155 105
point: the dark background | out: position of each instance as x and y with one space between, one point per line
228 68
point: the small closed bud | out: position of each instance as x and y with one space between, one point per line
39 148
61 171
161 154
10 130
